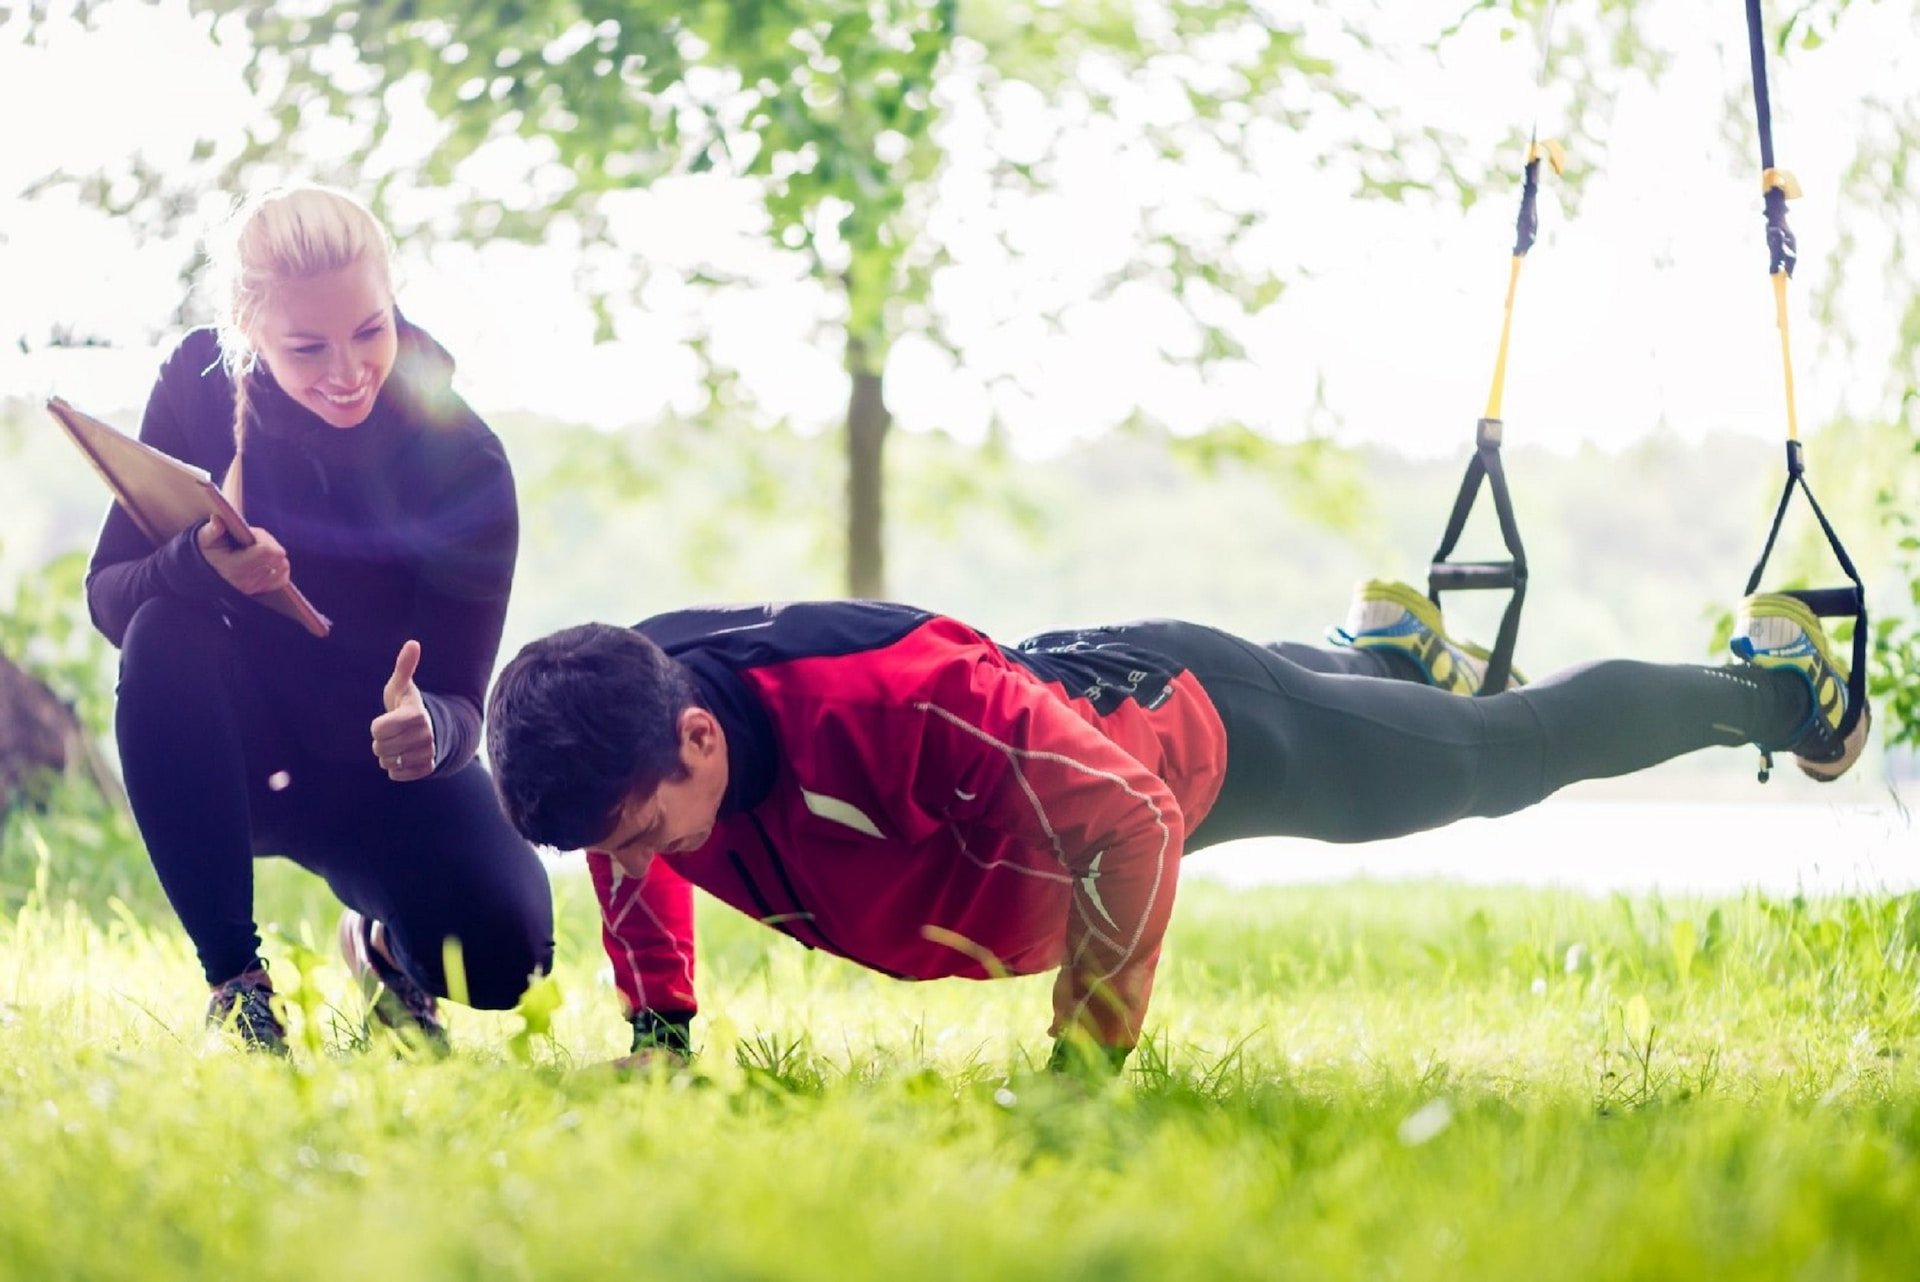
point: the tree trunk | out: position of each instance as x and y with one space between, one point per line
38 734
867 421
40 737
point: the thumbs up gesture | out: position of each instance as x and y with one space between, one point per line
403 734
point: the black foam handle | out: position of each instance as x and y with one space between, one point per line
1470 576
1829 603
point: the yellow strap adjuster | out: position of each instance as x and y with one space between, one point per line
1786 182
1550 148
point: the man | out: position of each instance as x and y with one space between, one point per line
893 787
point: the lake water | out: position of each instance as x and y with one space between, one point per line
1606 845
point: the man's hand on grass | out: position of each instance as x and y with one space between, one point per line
648 1059
1078 1055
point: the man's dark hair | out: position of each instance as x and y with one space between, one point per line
577 721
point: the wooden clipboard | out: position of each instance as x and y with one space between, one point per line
165 496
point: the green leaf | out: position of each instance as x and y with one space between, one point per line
1685 944
1637 1018
536 1010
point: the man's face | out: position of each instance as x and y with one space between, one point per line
679 815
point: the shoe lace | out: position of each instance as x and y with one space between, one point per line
245 1004
418 1004
401 999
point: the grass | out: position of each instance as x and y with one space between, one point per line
1355 1081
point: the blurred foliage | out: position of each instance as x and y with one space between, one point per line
76 846
77 843
1314 477
1895 676
797 96
837 112
833 108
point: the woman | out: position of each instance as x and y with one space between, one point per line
370 483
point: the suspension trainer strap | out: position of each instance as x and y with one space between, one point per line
1444 575
1777 187
1468 576
1527 224
1525 228
1828 603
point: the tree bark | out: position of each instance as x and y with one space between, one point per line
867 421
40 737
38 734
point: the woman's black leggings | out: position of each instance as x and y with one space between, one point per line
1320 745
216 780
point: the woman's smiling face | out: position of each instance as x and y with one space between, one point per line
329 340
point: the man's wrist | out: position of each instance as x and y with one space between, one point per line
669 1030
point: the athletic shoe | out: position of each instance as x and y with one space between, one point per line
1777 632
1396 618
244 1006
395 1000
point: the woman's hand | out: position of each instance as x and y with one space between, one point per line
403 734
250 570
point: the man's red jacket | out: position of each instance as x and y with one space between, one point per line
907 794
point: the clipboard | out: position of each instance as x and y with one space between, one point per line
165 496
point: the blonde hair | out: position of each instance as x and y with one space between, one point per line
281 235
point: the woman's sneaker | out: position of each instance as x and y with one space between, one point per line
245 1006
1396 618
1778 632
395 1000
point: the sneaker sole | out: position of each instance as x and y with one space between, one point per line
1854 744
357 952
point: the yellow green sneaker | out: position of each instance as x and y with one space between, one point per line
1386 615
1777 632
395 1000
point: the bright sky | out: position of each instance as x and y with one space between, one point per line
1651 308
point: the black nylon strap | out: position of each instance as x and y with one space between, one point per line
1825 602
1527 225
1782 252
1757 54
1781 256
1443 574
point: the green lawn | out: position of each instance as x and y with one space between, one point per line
1361 1081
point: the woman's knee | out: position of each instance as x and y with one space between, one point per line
171 642
177 698
500 970
488 960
